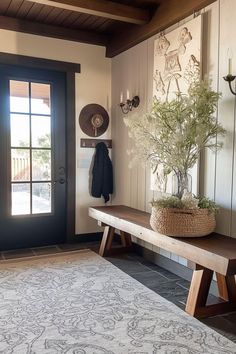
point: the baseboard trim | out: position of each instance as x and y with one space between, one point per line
172 266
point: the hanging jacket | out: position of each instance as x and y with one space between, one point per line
102 173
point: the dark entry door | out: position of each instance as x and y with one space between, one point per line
32 157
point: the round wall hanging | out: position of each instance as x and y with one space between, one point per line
93 120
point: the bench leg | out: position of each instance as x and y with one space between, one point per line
107 238
197 299
199 290
126 240
226 287
106 243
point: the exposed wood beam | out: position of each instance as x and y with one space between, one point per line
102 8
41 29
168 13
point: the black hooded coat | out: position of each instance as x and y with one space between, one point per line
102 182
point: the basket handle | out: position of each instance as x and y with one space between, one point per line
183 212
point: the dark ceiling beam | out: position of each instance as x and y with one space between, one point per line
168 13
42 29
102 8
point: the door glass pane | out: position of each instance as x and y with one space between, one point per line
20 198
19 96
30 131
41 131
20 136
20 164
40 98
41 165
41 198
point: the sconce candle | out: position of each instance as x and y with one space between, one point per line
230 66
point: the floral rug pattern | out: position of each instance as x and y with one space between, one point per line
79 303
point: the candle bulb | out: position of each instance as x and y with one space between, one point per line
121 97
230 66
127 94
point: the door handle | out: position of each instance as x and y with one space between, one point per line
60 180
62 176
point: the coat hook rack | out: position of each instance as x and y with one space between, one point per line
91 143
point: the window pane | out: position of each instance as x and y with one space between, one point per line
41 165
19 96
20 199
41 198
41 131
20 164
20 130
40 98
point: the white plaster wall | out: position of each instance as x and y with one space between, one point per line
132 70
93 85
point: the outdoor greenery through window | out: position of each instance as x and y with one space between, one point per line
31 148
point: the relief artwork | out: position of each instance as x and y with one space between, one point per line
177 60
177 64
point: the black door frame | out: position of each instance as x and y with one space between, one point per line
70 69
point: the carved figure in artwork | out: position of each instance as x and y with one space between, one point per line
172 69
160 86
162 45
192 70
184 38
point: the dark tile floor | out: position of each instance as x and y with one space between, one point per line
166 284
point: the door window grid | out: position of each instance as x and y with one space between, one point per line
31 188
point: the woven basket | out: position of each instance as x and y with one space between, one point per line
182 222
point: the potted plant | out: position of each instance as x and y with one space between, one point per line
174 133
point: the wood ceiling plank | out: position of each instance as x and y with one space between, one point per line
102 8
24 9
72 17
98 23
33 12
168 13
89 22
52 15
79 21
14 7
58 20
43 13
4 4
105 26
46 30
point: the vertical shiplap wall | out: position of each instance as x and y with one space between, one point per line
132 70
225 169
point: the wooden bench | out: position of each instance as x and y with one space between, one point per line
213 253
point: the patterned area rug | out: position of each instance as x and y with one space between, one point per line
79 303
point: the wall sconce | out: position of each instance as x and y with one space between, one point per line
230 78
129 104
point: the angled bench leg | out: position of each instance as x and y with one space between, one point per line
106 243
197 299
226 287
126 240
107 238
199 290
